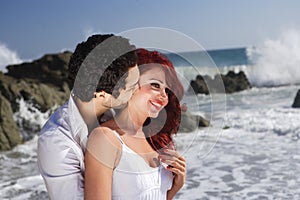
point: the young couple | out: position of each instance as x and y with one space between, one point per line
130 155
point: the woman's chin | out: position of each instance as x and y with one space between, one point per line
153 114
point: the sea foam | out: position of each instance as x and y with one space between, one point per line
276 62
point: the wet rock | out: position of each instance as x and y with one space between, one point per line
233 82
296 103
9 132
51 69
44 83
199 85
190 122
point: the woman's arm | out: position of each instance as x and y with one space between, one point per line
176 164
98 179
100 156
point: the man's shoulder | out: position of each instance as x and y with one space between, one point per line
57 119
56 132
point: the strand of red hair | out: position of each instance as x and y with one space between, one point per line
159 130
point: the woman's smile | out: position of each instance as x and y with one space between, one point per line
158 105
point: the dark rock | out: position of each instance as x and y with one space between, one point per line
233 82
296 103
50 69
202 122
9 133
190 122
42 95
43 83
198 86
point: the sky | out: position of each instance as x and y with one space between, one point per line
32 28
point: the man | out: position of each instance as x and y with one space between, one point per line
104 73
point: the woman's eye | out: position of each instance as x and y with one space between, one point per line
167 90
155 85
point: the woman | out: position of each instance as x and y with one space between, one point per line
132 156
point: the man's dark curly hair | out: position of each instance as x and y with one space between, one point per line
101 64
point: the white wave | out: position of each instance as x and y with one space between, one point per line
272 114
30 119
7 57
256 158
20 178
23 188
276 62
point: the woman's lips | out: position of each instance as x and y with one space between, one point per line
157 104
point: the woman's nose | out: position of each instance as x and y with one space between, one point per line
163 93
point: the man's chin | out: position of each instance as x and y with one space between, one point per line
120 106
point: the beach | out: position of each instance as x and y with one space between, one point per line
250 151
255 157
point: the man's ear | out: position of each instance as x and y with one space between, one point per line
100 94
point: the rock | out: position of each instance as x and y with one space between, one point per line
50 69
198 85
202 122
9 132
296 103
235 82
232 83
44 83
41 95
190 122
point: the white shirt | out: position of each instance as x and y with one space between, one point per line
61 146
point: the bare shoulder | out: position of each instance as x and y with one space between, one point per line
104 146
104 134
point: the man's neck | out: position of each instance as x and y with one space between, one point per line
89 112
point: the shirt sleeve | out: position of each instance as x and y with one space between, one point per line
60 163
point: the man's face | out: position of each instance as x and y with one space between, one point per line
131 83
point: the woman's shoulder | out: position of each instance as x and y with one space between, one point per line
102 130
103 134
104 145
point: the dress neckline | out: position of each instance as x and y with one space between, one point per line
134 152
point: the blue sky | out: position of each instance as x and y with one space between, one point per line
32 28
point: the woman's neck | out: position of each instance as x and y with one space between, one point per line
130 121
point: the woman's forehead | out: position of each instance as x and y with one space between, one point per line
153 72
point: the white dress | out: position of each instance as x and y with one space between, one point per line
134 179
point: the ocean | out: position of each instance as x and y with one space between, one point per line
251 150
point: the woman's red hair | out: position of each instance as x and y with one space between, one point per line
159 130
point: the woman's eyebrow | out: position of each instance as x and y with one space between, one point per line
154 79
161 82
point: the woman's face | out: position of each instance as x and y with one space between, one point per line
151 97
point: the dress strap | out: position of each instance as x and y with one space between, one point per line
118 136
